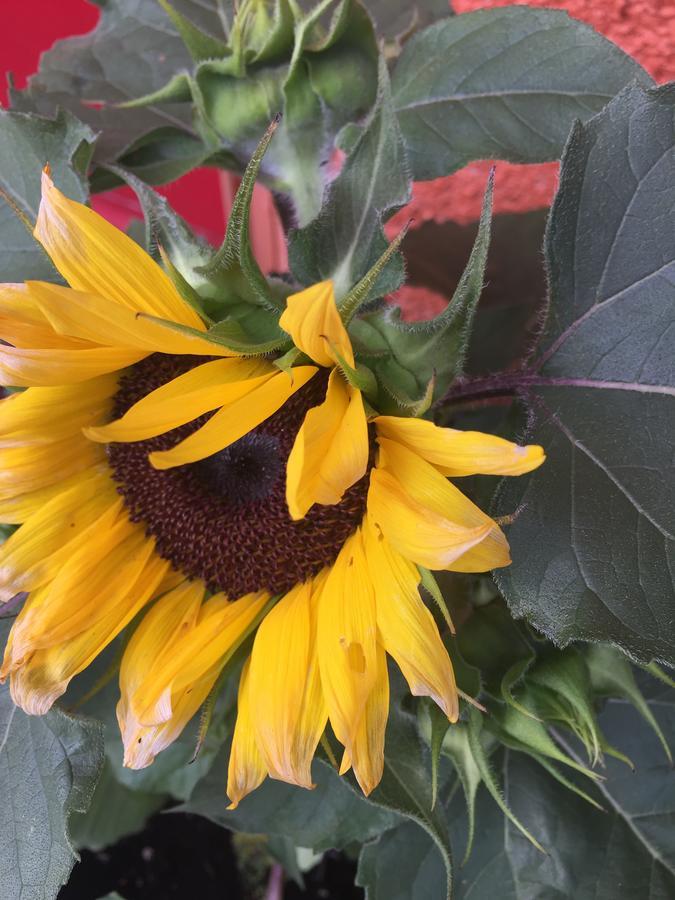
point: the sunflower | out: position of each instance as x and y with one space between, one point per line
160 480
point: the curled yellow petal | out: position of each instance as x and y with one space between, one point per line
434 493
218 630
456 453
96 257
246 769
40 675
267 394
160 632
287 707
407 628
418 533
330 452
312 319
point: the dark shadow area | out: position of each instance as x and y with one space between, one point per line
186 857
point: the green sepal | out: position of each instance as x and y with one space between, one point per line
526 733
227 334
432 724
457 747
480 757
359 377
288 360
430 584
235 252
199 44
178 89
278 37
362 292
436 349
660 674
183 286
612 676
511 678
565 673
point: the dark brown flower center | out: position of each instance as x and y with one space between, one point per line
224 519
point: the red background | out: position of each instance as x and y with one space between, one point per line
645 28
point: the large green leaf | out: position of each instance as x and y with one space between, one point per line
134 50
593 544
49 767
27 144
626 852
406 790
502 84
332 815
402 864
114 812
346 238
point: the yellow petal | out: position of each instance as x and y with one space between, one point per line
407 628
418 533
44 414
28 368
90 582
42 676
288 710
246 770
95 256
434 492
91 317
220 628
17 506
235 420
347 634
35 553
367 751
184 399
160 630
29 467
455 453
330 452
313 321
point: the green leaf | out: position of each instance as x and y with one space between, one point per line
27 144
330 816
114 812
402 864
49 766
405 789
623 853
593 543
133 50
432 352
493 643
502 84
346 239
